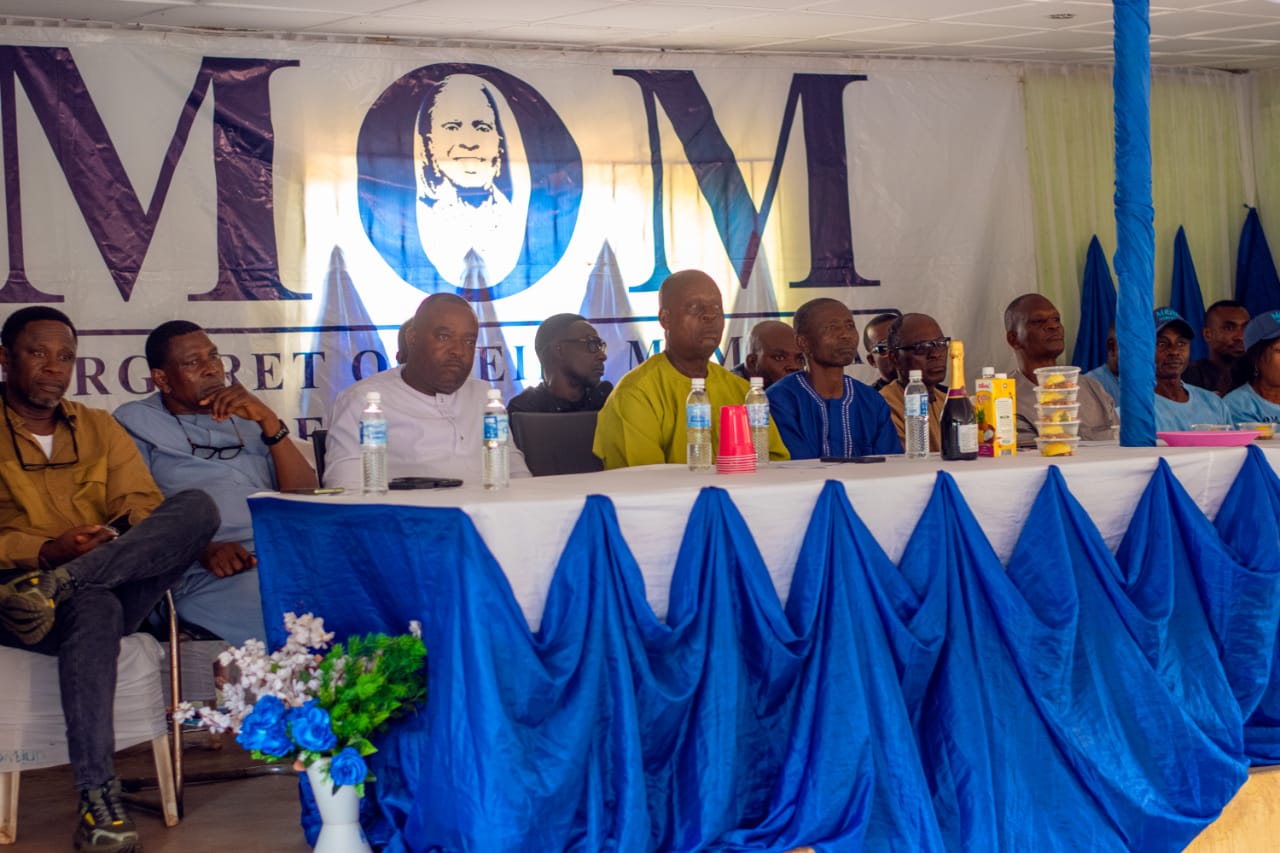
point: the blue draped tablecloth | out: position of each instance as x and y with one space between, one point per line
1082 663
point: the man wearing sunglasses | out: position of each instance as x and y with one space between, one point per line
1033 329
197 430
572 356
875 340
916 342
70 584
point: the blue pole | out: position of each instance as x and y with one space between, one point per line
1135 231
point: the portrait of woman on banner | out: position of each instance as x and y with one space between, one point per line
466 197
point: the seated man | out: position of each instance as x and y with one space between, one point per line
1180 406
572 356
1108 375
643 421
875 342
1258 399
820 411
772 352
1223 331
73 586
199 431
434 409
916 342
1033 328
402 341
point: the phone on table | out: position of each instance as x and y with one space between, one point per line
857 460
321 490
404 483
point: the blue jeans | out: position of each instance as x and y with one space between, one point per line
116 585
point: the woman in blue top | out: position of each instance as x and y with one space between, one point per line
1259 399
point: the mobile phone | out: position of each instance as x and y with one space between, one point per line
322 490
857 460
403 483
119 526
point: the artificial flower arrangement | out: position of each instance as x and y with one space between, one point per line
305 704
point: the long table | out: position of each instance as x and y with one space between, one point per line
566 714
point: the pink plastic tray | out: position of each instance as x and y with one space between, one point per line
1209 438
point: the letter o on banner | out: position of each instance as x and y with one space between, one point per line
388 187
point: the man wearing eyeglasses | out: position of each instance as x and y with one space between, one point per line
820 411
1033 329
198 430
875 340
572 356
643 421
1179 406
70 481
916 342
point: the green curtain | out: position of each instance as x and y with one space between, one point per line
1198 179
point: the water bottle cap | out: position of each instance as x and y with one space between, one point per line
493 394
757 381
699 383
914 376
373 397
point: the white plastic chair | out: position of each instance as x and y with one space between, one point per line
33 731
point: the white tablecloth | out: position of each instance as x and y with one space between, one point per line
526 526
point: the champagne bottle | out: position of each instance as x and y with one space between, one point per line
959 422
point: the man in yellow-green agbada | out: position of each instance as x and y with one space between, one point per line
643 421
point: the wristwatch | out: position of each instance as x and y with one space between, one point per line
270 440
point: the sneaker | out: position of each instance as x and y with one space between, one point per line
27 603
104 827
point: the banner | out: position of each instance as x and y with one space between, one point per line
299 200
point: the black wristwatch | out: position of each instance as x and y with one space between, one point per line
270 440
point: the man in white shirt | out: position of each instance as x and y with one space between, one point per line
434 409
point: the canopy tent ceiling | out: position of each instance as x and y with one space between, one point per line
1227 34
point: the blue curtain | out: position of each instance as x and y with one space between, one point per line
1185 296
1257 285
1097 310
1078 700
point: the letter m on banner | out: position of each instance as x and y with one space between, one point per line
243 151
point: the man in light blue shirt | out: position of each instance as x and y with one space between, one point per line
1258 400
1108 375
1179 406
197 431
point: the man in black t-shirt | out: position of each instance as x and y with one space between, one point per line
572 357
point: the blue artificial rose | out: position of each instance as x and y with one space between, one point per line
264 734
348 768
269 709
312 728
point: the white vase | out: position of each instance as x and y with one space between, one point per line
339 811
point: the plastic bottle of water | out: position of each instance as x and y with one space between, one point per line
497 437
373 445
697 427
915 411
758 416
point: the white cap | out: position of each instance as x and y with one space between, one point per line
757 381
699 383
989 372
373 397
1002 376
493 394
914 376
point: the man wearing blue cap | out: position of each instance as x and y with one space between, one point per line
1258 400
1180 406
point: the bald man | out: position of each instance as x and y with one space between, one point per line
643 421
434 408
772 352
820 411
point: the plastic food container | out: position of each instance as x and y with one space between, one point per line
1067 429
1057 413
1057 377
1057 394
1065 446
1266 431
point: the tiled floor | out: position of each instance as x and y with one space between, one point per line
256 815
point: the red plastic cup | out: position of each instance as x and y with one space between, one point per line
735 432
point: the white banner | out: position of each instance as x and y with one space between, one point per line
292 197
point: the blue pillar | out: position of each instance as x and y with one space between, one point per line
1135 232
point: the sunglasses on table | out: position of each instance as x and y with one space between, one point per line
924 348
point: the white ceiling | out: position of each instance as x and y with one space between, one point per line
1231 34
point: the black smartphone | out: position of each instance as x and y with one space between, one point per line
119 526
857 460
321 490
403 483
